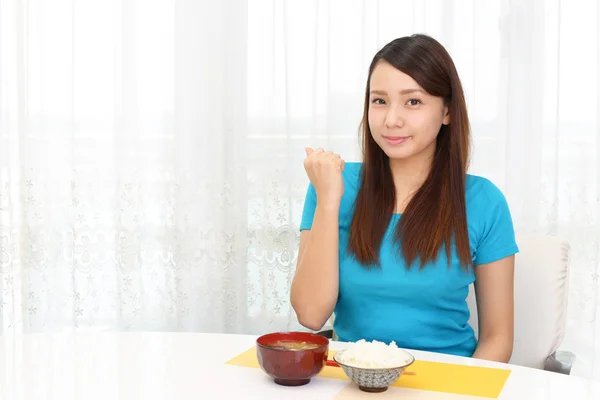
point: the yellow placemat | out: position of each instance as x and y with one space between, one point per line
434 376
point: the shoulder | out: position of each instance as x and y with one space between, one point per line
490 221
486 204
352 177
352 180
352 171
482 191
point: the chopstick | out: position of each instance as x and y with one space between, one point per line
332 363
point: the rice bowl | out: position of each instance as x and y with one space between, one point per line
373 366
377 355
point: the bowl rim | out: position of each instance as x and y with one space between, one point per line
306 334
409 363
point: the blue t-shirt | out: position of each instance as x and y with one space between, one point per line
421 309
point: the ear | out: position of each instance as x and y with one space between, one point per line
446 120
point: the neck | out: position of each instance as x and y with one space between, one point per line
409 175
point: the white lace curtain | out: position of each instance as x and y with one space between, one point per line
151 151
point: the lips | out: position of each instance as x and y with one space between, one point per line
396 140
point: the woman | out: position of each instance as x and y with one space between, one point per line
391 244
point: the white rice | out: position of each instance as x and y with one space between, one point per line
363 354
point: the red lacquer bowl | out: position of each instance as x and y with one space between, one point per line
292 367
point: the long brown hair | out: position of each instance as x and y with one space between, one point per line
436 215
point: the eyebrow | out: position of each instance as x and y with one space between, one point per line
403 91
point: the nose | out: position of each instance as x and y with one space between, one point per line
394 118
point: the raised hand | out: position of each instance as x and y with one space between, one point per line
324 169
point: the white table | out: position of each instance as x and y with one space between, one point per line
183 366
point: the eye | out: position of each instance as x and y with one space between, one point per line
413 102
378 101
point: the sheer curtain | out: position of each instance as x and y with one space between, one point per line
151 151
123 195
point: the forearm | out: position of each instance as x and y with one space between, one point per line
495 348
314 289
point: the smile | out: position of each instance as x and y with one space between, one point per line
396 140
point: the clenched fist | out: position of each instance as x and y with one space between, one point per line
324 169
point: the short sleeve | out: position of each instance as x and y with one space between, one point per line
496 230
310 205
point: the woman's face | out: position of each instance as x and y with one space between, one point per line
404 119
